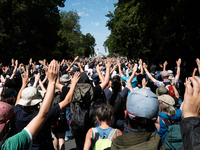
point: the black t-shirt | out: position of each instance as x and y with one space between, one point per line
43 140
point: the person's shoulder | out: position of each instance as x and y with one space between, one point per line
18 108
119 132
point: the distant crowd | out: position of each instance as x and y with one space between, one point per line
111 103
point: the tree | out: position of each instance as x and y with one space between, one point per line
29 28
155 29
72 42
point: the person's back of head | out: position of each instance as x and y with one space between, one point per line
142 110
139 78
6 116
115 84
167 104
105 113
9 96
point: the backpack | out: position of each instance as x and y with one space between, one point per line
170 89
118 106
173 138
80 105
117 103
103 143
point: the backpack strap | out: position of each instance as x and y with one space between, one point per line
168 122
111 134
96 133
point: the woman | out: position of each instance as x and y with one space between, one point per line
167 115
104 116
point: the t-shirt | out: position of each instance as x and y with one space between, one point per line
20 141
43 140
133 82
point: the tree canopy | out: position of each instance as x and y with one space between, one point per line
154 30
37 29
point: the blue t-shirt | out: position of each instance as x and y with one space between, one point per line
133 82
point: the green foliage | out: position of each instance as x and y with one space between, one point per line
29 28
154 29
72 42
36 29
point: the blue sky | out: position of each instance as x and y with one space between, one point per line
93 19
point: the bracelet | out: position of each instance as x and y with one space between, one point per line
3 82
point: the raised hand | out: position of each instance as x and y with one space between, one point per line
76 77
108 62
135 68
198 62
76 58
25 77
52 71
178 62
191 104
144 83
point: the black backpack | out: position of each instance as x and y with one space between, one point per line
118 106
117 103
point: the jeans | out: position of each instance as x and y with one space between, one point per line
68 133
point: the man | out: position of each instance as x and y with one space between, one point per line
142 110
26 108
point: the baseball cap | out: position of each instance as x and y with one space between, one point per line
166 99
6 113
161 90
31 96
164 73
142 103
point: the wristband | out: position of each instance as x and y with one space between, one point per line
3 83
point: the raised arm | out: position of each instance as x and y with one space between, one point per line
198 64
69 95
36 123
100 74
191 113
141 68
194 72
148 74
133 73
178 68
115 66
59 86
15 70
75 59
25 81
79 65
120 69
164 65
37 77
107 77
174 88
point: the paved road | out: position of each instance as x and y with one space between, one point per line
70 145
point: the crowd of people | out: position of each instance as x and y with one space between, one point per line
129 102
